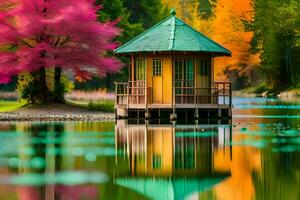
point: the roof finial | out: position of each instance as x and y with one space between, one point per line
173 12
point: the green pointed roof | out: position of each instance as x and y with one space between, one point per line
172 35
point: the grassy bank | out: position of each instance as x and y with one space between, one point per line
102 106
7 106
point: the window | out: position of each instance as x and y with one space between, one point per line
140 69
205 66
189 70
184 76
156 67
184 70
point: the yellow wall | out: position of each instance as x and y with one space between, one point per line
166 79
165 83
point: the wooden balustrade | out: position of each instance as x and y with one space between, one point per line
219 93
136 92
133 92
121 91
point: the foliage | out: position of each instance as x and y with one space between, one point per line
146 12
261 88
184 9
27 89
104 106
275 29
258 89
64 34
116 10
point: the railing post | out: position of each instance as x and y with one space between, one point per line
127 94
224 93
146 98
217 94
195 97
230 95
116 93
196 103
173 115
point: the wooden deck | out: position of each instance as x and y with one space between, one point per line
137 96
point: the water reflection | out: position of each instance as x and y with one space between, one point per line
172 161
254 158
49 161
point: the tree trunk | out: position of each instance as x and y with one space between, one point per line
41 92
58 93
57 75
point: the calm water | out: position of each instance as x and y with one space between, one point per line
257 157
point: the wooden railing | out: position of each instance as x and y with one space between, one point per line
121 91
219 93
136 92
133 92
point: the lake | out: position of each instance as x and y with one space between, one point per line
256 156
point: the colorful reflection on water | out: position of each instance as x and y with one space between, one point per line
255 157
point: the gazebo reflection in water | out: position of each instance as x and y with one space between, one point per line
171 161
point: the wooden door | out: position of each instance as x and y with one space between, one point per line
205 73
157 82
204 81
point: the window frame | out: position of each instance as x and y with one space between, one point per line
184 75
157 65
140 69
184 69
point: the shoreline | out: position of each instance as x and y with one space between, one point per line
55 113
12 117
292 93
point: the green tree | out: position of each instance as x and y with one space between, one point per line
146 12
116 10
274 32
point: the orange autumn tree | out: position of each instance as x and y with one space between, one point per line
182 7
229 30
226 27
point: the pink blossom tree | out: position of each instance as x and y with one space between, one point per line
61 34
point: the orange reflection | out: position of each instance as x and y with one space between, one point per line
245 160
167 150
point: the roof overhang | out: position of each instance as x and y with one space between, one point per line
214 54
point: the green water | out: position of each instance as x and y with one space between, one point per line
255 157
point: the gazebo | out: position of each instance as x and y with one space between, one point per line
171 73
